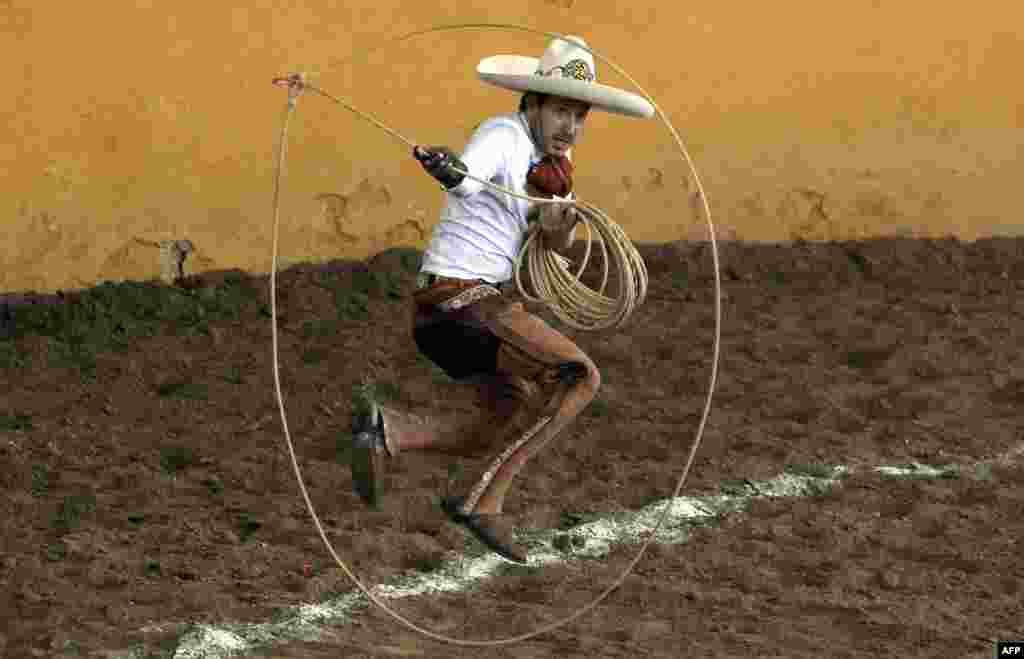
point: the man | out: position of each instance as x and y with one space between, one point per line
534 380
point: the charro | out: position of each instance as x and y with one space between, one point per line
533 380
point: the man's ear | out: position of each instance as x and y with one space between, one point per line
531 104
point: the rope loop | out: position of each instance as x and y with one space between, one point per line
578 305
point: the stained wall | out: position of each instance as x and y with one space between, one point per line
130 123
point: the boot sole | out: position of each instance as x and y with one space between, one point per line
469 523
367 470
367 459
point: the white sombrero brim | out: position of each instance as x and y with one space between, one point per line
517 73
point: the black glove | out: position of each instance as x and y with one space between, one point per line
440 162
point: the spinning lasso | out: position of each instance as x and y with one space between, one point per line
296 85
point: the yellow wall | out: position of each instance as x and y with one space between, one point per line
128 123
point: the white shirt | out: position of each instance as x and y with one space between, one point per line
481 230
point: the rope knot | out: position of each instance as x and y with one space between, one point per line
296 84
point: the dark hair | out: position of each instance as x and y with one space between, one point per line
540 100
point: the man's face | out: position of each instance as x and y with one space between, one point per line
558 122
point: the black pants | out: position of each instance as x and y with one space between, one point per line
461 347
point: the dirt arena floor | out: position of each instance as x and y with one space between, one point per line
145 476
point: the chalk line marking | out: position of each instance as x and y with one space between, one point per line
589 539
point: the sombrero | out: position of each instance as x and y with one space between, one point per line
565 69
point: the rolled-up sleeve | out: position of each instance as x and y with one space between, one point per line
485 154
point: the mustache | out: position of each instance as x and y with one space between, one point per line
567 140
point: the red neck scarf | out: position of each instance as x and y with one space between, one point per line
552 175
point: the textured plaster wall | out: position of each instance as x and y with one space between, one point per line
131 123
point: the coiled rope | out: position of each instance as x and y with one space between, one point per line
569 299
296 85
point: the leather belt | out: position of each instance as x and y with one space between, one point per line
429 279
469 296
450 293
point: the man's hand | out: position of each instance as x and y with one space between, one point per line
441 163
557 217
558 224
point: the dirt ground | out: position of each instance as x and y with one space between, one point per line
145 476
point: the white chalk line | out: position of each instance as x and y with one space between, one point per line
587 540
